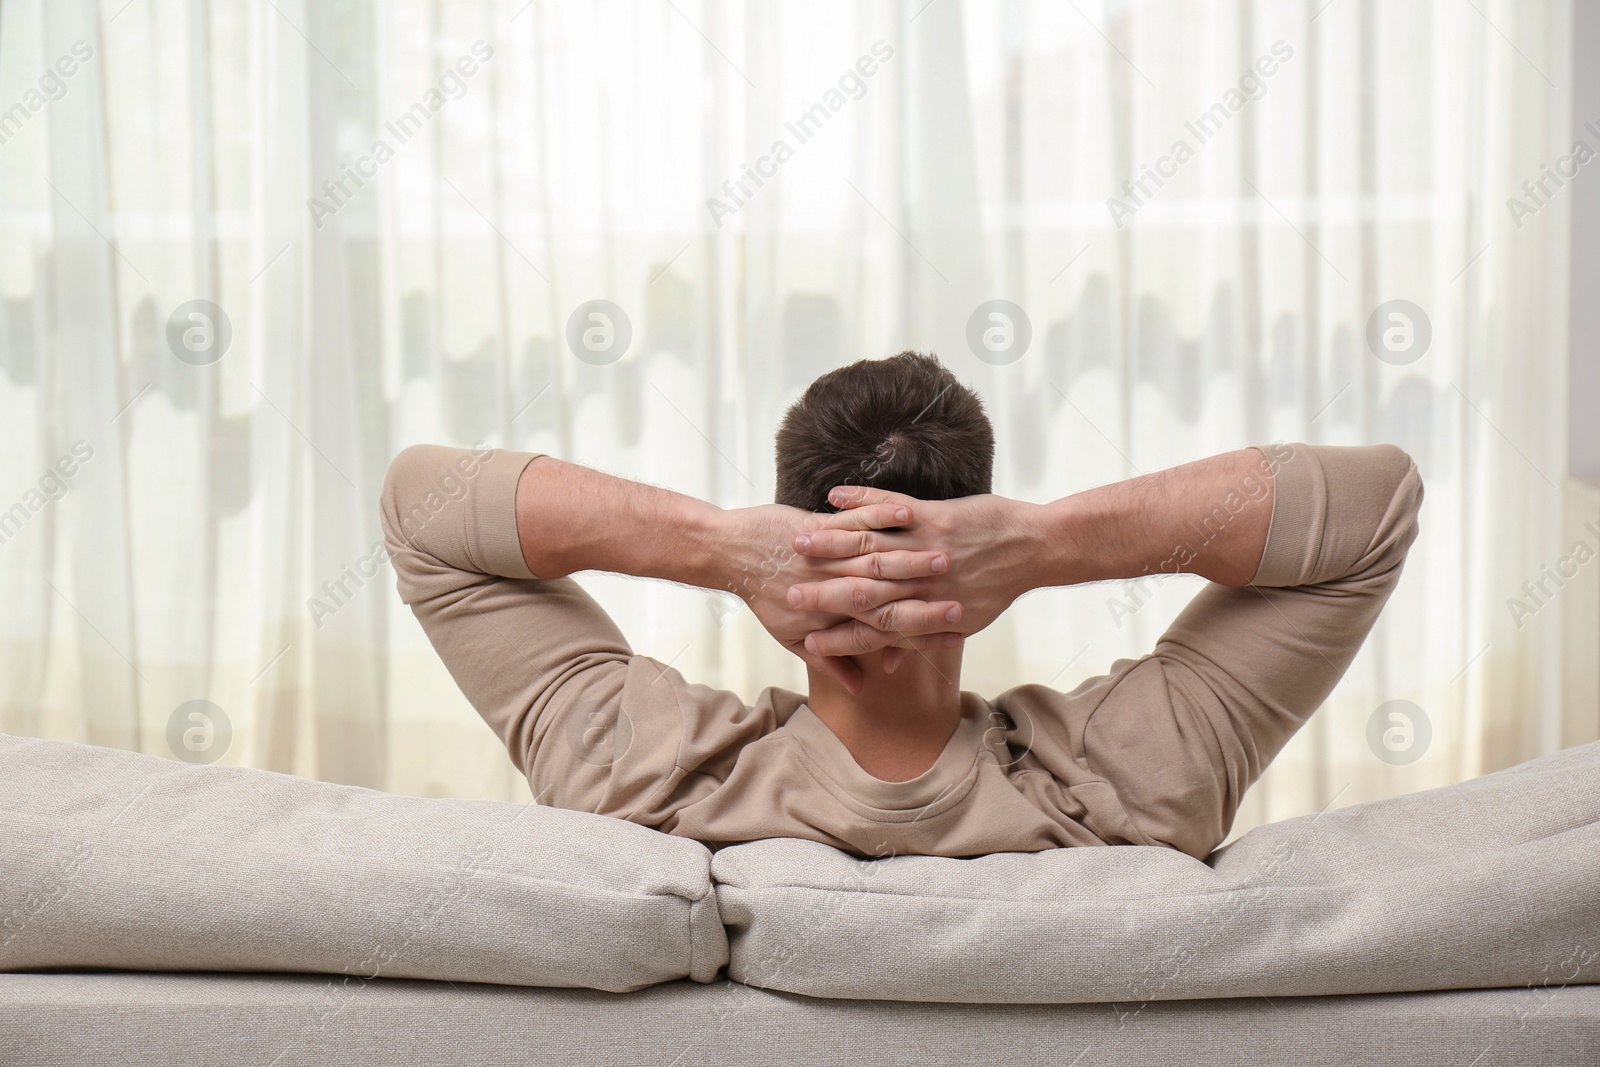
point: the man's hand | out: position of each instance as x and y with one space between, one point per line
886 571
991 542
1209 517
767 565
571 518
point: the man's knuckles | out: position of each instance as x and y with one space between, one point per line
861 594
866 638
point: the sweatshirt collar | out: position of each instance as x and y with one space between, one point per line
955 762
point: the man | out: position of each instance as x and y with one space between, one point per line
885 549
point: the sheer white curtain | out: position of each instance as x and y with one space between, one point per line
399 205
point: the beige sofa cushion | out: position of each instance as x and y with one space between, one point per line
1489 882
115 859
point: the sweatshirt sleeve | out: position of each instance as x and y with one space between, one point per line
449 523
592 725
1241 669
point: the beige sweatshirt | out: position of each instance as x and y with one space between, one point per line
1158 751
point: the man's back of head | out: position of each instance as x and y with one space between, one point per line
903 424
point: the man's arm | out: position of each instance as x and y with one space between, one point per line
571 518
1209 517
1240 670
592 725
1185 730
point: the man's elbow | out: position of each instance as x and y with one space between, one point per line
1405 492
1382 484
1398 468
401 507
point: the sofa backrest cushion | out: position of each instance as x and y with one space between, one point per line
1490 882
115 859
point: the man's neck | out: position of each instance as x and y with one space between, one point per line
899 723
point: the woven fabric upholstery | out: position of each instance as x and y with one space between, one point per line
172 1020
1488 882
116 859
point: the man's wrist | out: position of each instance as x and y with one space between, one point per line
732 556
1057 536
708 556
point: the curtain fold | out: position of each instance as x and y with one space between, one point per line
400 210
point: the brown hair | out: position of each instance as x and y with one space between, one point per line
903 424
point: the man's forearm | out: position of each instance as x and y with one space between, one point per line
1209 517
571 518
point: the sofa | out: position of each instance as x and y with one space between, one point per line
156 912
